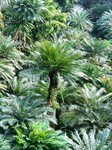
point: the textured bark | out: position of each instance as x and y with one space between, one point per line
16 35
53 85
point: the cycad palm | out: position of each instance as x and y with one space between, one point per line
92 140
79 19
92 105
57 58
104 24
15 109
10 59
9 52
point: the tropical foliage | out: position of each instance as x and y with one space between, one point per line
40 136
92 141
4 144
79 19
105 24
55 75
92 107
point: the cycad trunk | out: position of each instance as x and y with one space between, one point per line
16 35
53 85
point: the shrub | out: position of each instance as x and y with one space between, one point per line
104 25
39 136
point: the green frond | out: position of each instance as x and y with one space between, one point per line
4 144
91 140
79 19
105 24
41 133
15 109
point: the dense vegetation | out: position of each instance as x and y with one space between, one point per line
55 75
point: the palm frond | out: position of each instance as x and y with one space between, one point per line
79 19
18 109
92 140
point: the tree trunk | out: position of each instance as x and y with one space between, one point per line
16 35
53 85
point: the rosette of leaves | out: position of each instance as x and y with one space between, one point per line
57 58
9 51
15 109
89 107
98 9
104 25
93 140
10 59
79 19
